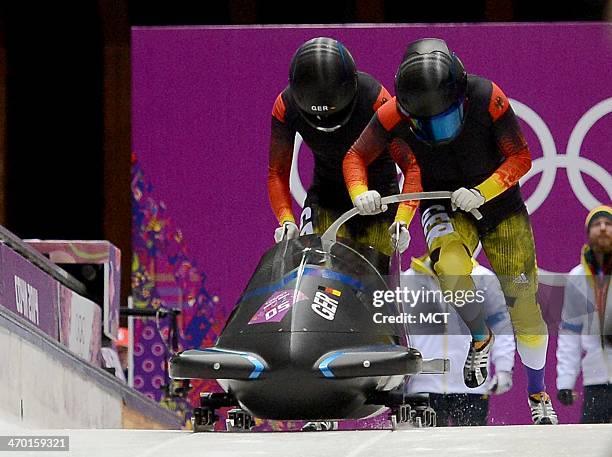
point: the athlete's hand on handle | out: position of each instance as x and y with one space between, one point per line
368 203
287 231
400 236
466 199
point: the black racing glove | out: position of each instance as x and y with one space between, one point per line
566 396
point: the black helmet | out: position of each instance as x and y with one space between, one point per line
430 85
323 81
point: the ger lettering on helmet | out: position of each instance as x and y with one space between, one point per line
430 85
323 82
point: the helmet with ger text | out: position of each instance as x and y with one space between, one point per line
323 82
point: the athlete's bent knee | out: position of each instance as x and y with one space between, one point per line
453 260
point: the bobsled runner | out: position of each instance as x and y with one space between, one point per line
301 343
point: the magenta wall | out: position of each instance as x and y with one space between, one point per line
202 99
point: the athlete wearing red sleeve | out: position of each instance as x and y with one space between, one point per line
373 140
328 102
461 135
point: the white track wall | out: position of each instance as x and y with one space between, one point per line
38 391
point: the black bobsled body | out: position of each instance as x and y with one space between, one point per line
302 343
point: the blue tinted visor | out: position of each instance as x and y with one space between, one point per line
440 128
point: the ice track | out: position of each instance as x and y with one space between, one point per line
507 441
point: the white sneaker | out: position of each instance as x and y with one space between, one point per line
475 370
542 412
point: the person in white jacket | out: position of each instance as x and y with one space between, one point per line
586 307
454 403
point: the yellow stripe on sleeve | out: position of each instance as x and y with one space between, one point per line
356 190
491 187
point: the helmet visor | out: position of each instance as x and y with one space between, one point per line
440 128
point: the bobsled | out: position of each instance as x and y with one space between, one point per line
302 344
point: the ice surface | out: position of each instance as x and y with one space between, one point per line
503 441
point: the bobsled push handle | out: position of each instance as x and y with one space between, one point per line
329 236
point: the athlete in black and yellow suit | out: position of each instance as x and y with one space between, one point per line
328 102
458 133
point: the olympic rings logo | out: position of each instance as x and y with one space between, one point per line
571 160
573 163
